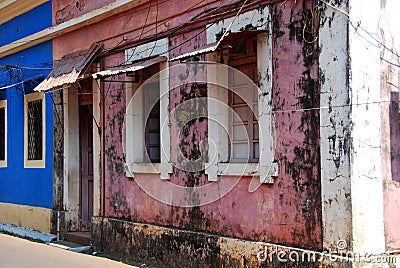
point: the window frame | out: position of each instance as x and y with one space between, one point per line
149 130
266 168
30 98
135 156
3 104
252 118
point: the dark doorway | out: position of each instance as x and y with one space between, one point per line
86 165
86 153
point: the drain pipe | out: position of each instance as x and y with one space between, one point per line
103 157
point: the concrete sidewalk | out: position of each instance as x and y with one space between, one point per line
21 253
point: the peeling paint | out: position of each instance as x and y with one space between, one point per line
301 160
286 212
335 127
311 204
58 164
69 11
300 178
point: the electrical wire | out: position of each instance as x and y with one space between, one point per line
202 31
357 25
151 29
391 63
206 11
227 31
13 85
113 50
195 18
282 111
273 112
310 26
175 30
29 68
144 26
24 68
199 16
156 29
57 113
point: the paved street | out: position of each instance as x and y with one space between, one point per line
20 253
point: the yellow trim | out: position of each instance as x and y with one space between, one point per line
10 9
26 216
34 163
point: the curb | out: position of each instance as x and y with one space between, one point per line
27 233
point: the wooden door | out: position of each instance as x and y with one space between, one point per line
86 165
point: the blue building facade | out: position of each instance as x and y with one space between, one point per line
26 124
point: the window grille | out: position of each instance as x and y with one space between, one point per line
35 135
153 145
2 133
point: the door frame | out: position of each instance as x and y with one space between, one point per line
71 182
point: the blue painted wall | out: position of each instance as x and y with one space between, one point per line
19 185
26 24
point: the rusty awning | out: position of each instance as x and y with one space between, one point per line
129 68
203 50
70 68
224 41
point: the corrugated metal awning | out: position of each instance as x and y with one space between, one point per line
129 68
225 40
203 50
70 68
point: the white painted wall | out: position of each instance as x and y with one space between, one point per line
257 18
366 158
265 115
352 181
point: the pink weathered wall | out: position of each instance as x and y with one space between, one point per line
132 26
295 87
390 157
64 10
390 116
287 212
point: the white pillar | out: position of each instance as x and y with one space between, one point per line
71 156
335 127
96 149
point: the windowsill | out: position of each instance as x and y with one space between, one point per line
146 168
243 170
162 169
236 169
213 171
34 164
3 163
